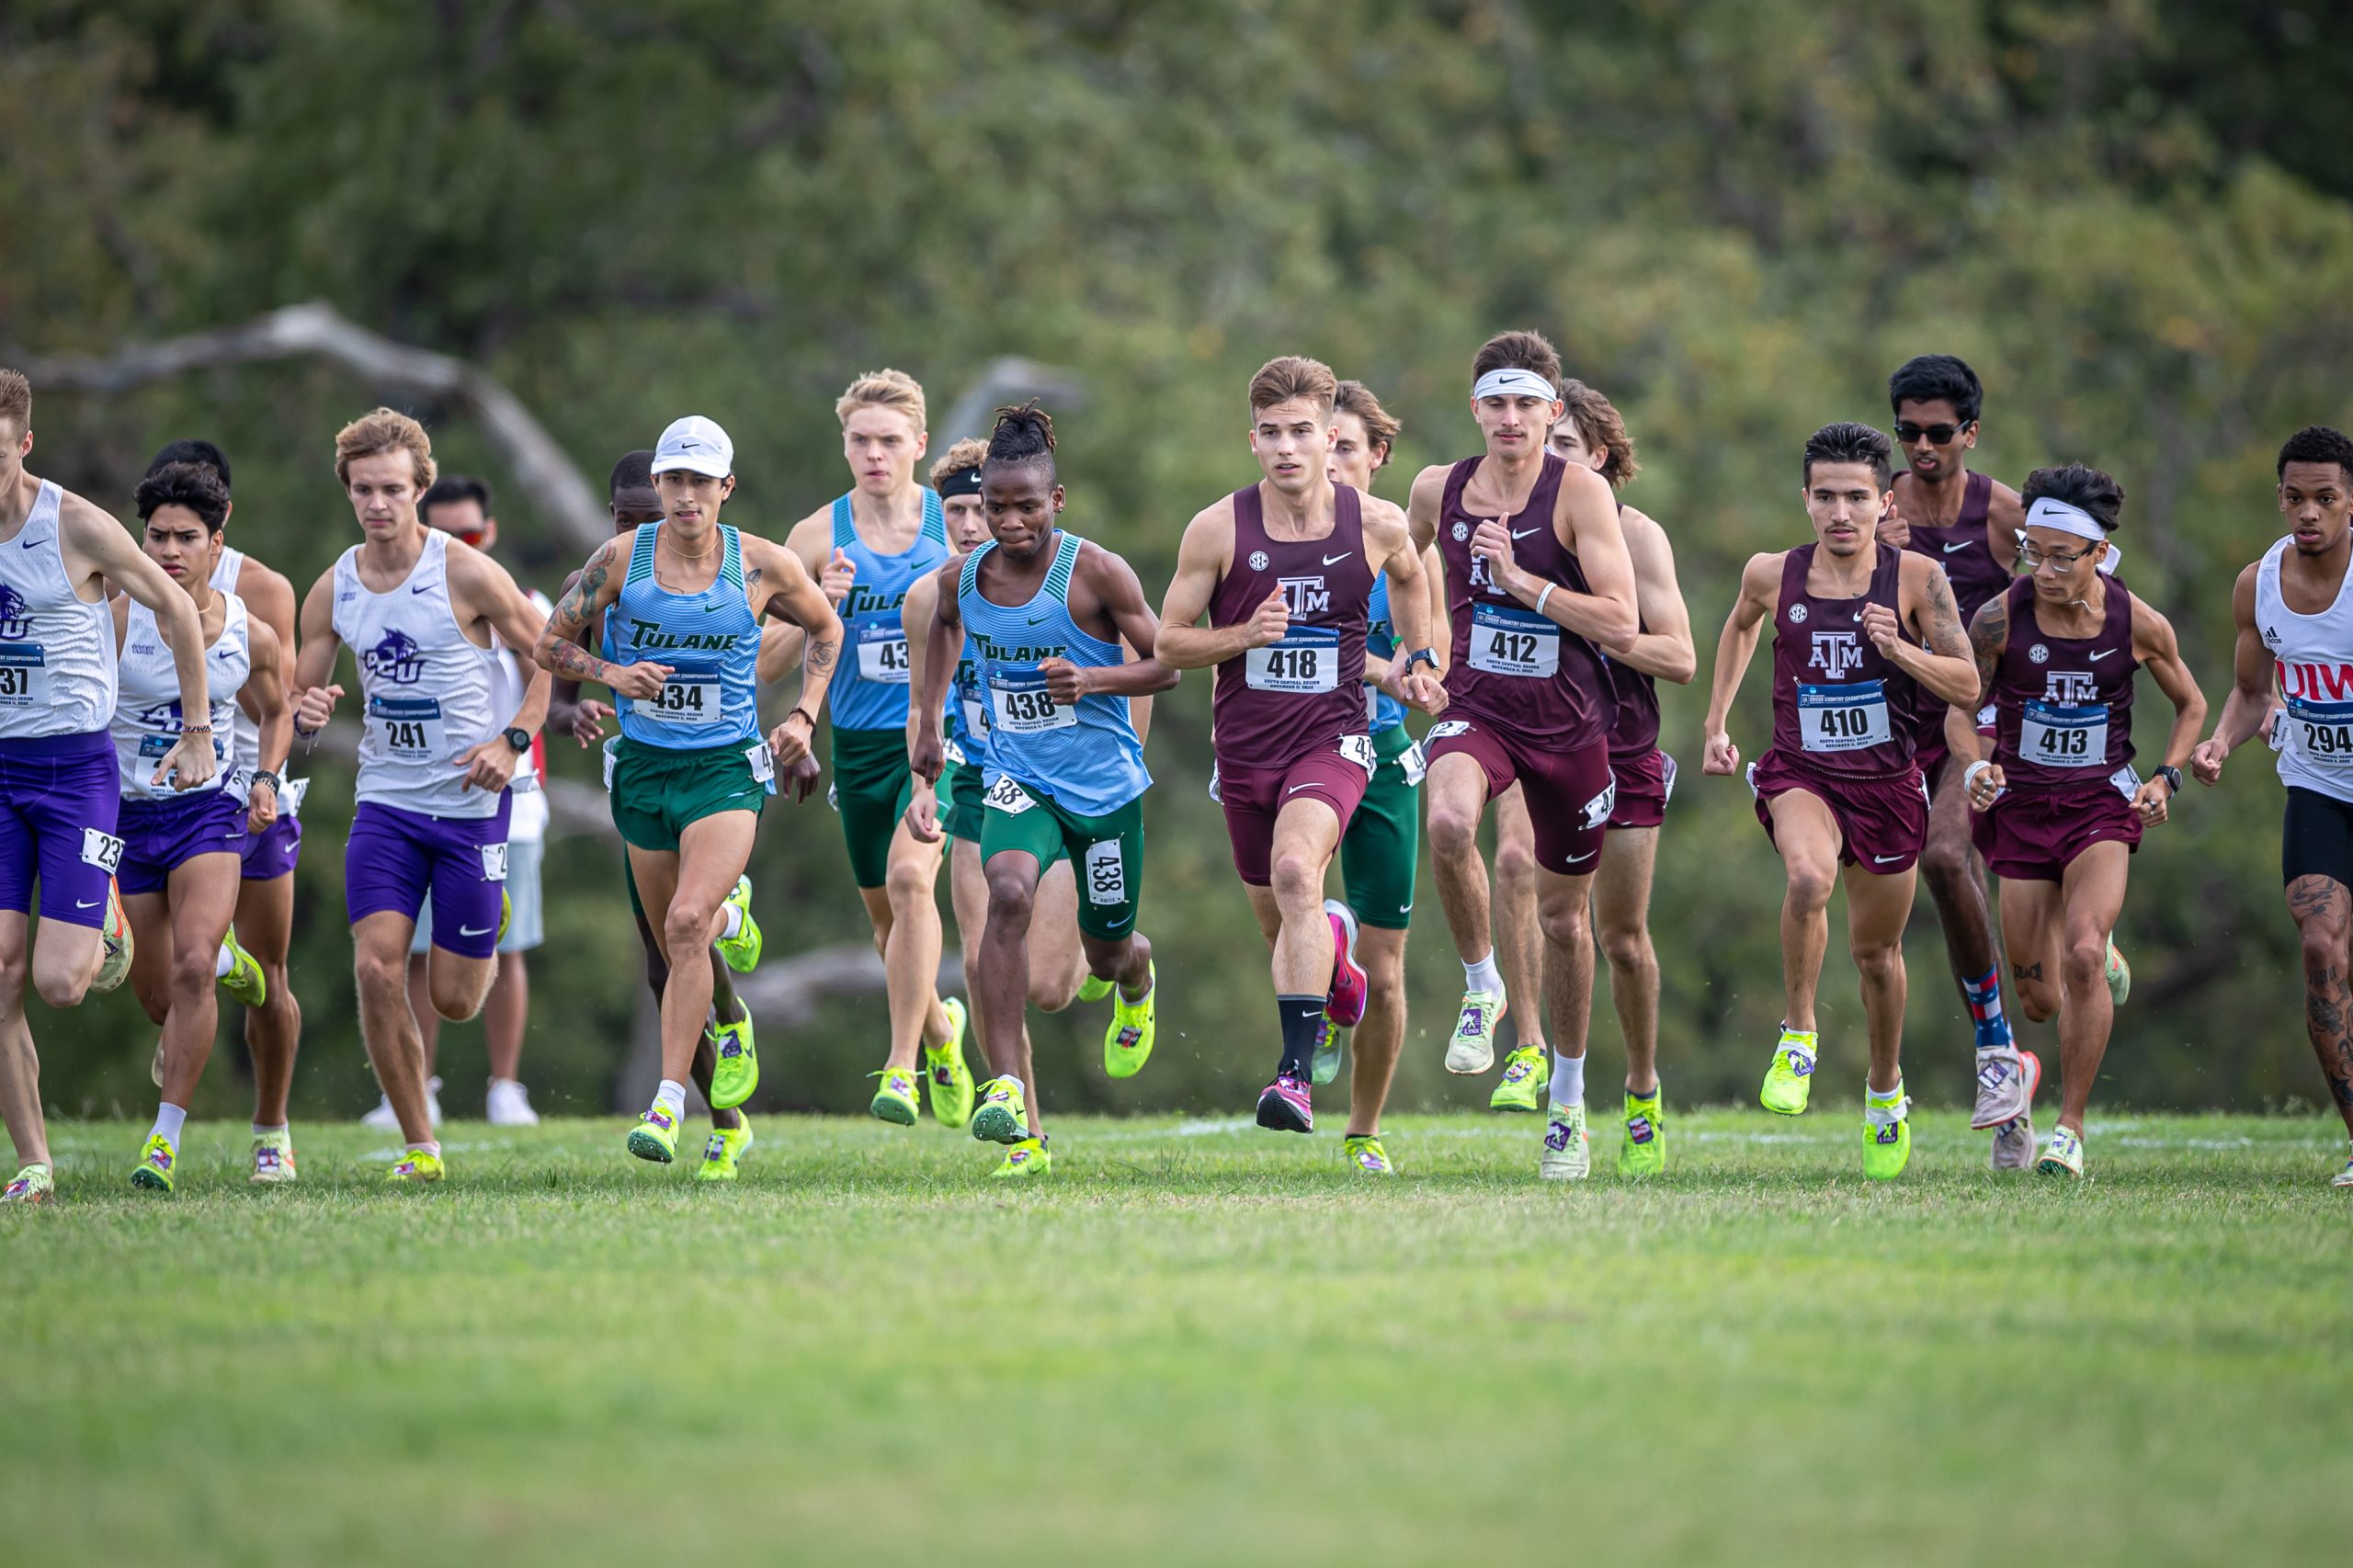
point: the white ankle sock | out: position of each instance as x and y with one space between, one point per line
671 1097
1483 976
261 1131
730 921
430 1146
223 962
170 1119
1568 1079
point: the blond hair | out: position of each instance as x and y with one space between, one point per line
15 399
1293 377
883 388
969 452
1381 427
385 430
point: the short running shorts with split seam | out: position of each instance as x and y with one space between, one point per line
273 852
1571 795
1336 775
1378 856
61 797
873 785
964 813
2033 835
657 792
1645 783
1930 752
1107 852
161 835
526 911
396 859
1882 823
2316 838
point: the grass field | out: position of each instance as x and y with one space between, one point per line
1197 1343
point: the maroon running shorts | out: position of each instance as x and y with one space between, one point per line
1253 797
1882 823
1645 782
1570 794
2030 835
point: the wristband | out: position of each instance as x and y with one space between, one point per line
1969 775
264 776
1545 595
799 712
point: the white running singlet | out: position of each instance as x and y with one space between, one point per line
147 705
2315 736
56 652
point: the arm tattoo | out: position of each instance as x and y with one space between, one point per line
575 662
1945 635
819 656
579 601
1987 638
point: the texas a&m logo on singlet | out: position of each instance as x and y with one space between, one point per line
1305 596
1836 655
2070 688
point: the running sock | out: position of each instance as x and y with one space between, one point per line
730 921
1884 1109
1483 976
671 1097
1148 983
170 1119
1985 995
1009 1078
261 1131
1303 1021
224 962
430 1146
1568 1080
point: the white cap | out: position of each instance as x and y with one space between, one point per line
697 445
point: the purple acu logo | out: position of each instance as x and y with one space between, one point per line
397 659
1556 1136
15 615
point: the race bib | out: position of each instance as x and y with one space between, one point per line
976 718
1022 706
1006 796
763 763
24 677
882 654
1842 717
103 850
686 697
1107 872
950 753
408 727
1510 641
2322 732
2058 736
1371 704
289 796
612 755
1307 660
1358 750
493 862
1414 765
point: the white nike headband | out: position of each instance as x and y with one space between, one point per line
1514 380
2059 518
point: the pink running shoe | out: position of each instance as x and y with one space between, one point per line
1346 1003
1284 1107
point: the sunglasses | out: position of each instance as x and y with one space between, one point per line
1937 435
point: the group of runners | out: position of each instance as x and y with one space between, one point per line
1954 667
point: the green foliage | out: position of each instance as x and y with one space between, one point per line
1734 218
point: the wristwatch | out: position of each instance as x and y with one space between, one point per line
1419 657
2171 775
519 738
264 776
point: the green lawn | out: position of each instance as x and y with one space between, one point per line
1198 1343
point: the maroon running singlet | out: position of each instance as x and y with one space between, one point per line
2063 716
1978 579
1289 719
1837 734
1528 700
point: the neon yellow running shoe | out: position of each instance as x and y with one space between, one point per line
1094 988
1127 1042
157 1161
1026 1159
416 1165
736 1064
2063 1155
1887 1145
114 942
1643 1150
726 1147
1365 1155
505 914
894 1099
245 981
1789 1080
656 1136
742 951
2119 975
1528 1073
273 1159
1003 1115
30 1185
951 1075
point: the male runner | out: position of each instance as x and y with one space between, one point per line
1380 851
2058 812
59 799
1539 586
179 869
1045 613
252 962
1284 571
1593 434
1967 524
2295 627
682 602
419 610
868 549
1838 787
727 1064
1057 962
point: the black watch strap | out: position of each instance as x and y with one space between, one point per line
519 738
1421 656
2172 775
264 776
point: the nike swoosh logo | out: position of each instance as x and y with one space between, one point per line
2102 654
1523 533
91 904
471 931
1580 860
1297 787
1964 544
29 543
1036 621
426 590
1883 859
1336 560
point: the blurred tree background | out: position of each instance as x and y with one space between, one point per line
1734 216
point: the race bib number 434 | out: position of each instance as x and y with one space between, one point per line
883 655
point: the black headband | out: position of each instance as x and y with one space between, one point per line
963 481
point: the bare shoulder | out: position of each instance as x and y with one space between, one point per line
2151 629
763 553
1384 519
1584 488
1645 540
264 589
1763 573
2003 505
812 536
1430 484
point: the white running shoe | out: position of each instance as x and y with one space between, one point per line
2002 1092
2014 1140
2345 1176
1568 1152
384 1120
1472 1049
510 1105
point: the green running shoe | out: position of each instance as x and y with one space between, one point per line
951 1075
157 1161
742 951
1026 1159
1365 1155
245 981
1094 988
2119 975
894 1099
505 914
30 1185
1568 1152
1643 1150
656 1136
1127 1039
735 1066
1791 1078
1331 1044
1472 1049
417 1165
2063 1155
726 1147
1528 1073
1887 1145
1004 1116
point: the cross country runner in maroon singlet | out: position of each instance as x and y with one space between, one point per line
2058 812
1838 788
1537 586
1284 571
1968 525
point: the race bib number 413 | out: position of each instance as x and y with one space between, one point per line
2062 736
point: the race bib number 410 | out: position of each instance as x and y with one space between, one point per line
1842 717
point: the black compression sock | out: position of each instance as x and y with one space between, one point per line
1303 1021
